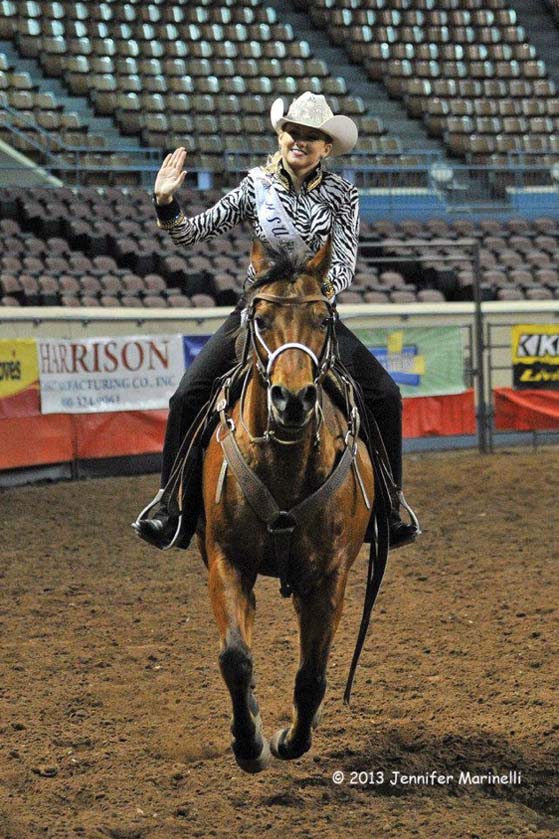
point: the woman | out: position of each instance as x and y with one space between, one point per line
293 204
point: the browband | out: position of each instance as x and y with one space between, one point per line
273 298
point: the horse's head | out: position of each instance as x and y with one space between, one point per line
291 327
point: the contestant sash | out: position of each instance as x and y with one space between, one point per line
278 228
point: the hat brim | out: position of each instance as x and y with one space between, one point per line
341 130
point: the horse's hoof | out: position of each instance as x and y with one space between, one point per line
281 750
256 764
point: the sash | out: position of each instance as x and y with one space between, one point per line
278 228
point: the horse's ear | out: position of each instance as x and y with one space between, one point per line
258 257
320 263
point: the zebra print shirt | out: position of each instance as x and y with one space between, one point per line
327 205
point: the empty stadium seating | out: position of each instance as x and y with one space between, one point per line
180 74
94 247
466 69
204 74
42 123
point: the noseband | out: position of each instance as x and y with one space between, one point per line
265 365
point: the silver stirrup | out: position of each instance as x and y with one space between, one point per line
143 515
413 518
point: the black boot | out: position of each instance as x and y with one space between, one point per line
167 528
159 530
400 533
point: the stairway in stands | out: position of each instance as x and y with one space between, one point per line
374 95
542 31
78 104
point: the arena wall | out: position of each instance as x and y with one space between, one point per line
42 440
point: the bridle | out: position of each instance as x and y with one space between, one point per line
265 358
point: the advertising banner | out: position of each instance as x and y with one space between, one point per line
426 361
535 356
192 346
19 378
109 374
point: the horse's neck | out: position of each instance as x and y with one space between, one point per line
298 468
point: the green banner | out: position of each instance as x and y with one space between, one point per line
426 361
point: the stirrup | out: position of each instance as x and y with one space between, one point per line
413 518
144 514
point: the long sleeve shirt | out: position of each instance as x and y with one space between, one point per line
327 205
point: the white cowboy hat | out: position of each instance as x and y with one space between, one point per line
312 111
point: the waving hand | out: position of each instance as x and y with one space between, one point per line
170 176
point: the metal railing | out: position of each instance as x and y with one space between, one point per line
458 187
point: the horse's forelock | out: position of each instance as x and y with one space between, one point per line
283 269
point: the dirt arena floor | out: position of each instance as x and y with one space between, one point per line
114 719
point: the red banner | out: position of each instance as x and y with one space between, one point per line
440 416
526 410
61 438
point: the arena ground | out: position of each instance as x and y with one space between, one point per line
114 720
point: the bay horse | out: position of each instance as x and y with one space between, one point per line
287 489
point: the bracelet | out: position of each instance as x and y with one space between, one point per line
174 222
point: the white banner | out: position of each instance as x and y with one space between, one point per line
119 373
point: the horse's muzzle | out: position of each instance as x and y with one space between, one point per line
293 410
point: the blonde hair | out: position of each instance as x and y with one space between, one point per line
272 161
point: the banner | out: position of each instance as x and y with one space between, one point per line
526 410
19 378
535 356
425 361
109 374
192 346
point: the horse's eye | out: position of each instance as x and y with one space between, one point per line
324 323
260 322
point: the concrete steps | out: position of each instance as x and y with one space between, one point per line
542 32
77 104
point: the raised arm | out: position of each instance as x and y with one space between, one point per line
170 177
227 213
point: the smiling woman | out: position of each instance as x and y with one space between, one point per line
302 149
296 208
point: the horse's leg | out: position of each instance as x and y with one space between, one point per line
319 615
233 603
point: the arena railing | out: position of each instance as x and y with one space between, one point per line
491 354
35 137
